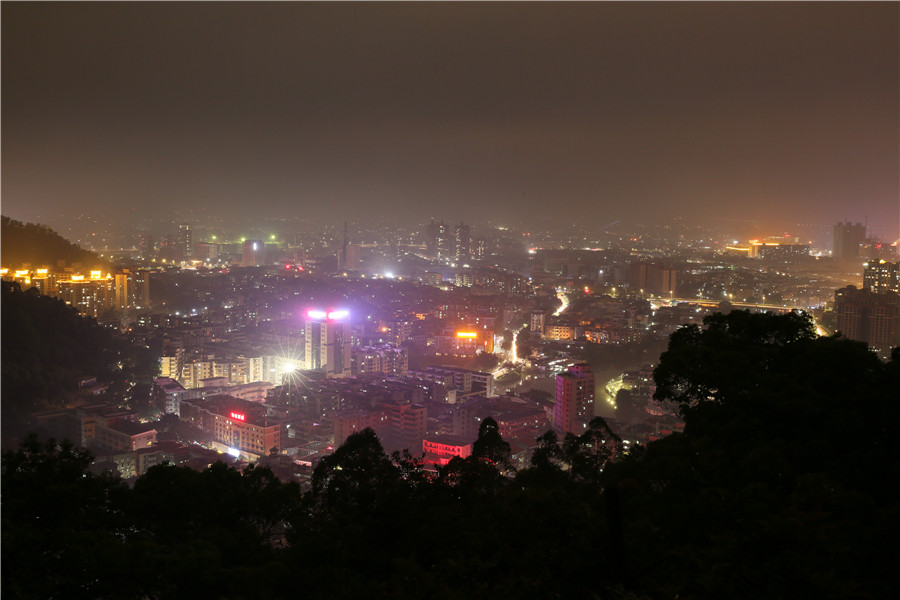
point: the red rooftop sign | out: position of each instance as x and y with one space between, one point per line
238 416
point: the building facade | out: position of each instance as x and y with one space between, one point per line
574 406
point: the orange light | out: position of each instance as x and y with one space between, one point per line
466 334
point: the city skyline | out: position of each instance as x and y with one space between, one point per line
594 112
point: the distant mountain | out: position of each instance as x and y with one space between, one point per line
40 246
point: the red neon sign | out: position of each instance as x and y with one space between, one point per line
238 416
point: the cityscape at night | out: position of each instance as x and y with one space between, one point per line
449 300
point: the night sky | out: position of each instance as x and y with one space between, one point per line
590 112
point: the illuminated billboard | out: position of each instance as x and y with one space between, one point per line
238 416
331 315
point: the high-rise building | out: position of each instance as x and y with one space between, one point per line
432 278
847 240
574 406
328 342
538 320
867 316
464 279
882 276
185 241
132 289
352 256
123 290
654 279
91 297
463 244
252 252
439 242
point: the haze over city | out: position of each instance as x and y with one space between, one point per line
772 115
583 300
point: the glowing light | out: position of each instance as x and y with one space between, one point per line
238 416
96 274
254 245
42 271
272 236
466 334
235 452
316 314
288 367
338 314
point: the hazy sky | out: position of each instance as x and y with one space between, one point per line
785 113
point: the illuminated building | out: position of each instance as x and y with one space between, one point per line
172 393
122 290
252 253
464 343
478 248
328 342
438 241
462 380
464 279
441 449
236 426
867 316
387 359
882 276
574 406
91 297
396 332
433 279
185 241
538 318
560 332
140 289
172 366
779 248
847 240
463 243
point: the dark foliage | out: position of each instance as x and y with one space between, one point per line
47 347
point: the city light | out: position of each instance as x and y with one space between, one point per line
466 334
316 314
238 416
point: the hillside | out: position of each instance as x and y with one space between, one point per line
38 245
47 347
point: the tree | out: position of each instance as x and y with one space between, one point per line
64 524
777 486
357 477
490 446
726 358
